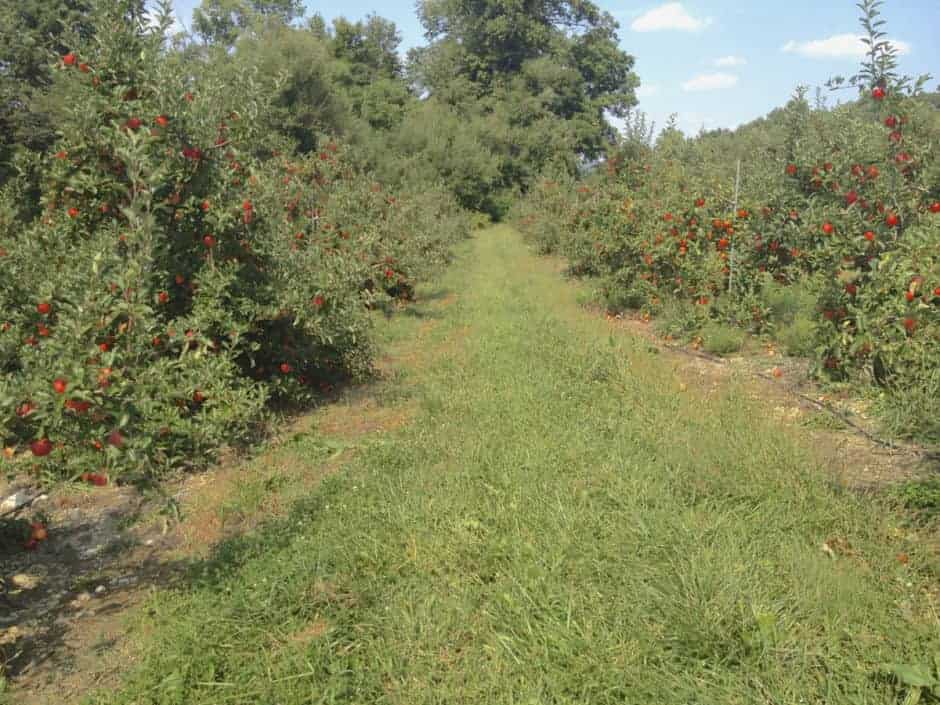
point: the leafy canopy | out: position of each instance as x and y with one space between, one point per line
547 74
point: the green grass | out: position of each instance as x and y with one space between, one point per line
560 524
823 420
921 498
721 339
798 337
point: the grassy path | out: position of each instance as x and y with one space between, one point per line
559 523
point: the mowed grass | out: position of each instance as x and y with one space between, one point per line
559 524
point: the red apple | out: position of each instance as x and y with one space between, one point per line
38 531
41 447
78 406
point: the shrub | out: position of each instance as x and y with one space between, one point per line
679 319
798 336
720 339
787 303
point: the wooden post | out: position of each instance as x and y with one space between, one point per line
734 215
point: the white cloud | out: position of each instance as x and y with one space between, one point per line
838 46
710 82
646 90
730 61
669 16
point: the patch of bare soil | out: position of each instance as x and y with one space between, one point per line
62 601
366 417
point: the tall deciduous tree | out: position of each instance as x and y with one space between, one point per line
293 66
546 73
369 70
221 21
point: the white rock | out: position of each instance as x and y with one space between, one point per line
14 501
23 581
81 600
8 636
100 590
92 551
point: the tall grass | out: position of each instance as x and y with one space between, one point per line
560 524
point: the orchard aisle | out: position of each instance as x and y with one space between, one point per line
558 524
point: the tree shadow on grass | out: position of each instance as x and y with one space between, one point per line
426 306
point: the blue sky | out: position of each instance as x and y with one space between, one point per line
720 63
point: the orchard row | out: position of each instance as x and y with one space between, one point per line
188 270
833 246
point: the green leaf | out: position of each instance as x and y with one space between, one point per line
913 675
